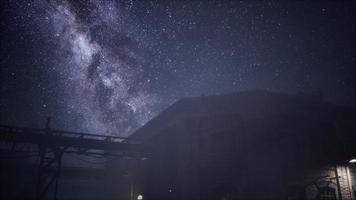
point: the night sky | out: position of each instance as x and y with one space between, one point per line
107 67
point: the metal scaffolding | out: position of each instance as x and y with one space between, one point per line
52 144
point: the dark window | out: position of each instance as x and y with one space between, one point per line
326 193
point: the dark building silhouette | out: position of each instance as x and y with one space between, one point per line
249 145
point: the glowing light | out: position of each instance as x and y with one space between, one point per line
352 160
140 197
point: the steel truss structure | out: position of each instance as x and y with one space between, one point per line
52 144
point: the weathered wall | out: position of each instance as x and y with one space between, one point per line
336 177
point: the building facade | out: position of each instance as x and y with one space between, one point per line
249 145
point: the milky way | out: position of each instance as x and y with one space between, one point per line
109 66
103 79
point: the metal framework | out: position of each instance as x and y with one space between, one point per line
52 144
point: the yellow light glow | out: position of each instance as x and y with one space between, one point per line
352 160
139 197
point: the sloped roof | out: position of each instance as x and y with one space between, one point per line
247 104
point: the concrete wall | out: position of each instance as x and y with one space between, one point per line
336 177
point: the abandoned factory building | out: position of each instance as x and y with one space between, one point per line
249 145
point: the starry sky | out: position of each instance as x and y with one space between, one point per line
108 67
